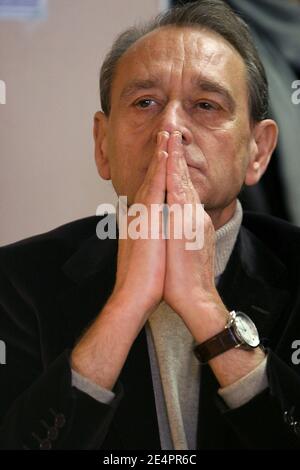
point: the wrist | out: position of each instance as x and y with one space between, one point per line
206 317
131 303
234 351
236 364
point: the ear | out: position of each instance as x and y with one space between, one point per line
100 139
264 140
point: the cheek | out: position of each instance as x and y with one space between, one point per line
229 151
129 163
217 148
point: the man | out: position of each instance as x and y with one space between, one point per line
105 340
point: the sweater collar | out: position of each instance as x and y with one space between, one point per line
225 240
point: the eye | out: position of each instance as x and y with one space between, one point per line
144 103
207 106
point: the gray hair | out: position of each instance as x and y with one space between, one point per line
213 15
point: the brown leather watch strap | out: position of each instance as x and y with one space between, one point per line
216 345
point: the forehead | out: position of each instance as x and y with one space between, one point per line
182 52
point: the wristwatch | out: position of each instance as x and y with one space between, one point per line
239 332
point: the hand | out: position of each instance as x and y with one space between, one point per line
101 352
141 262
189 284
189 273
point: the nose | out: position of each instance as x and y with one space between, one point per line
174 118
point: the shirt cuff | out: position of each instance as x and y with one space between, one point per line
95 391
246 388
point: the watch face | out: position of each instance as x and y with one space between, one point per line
246 330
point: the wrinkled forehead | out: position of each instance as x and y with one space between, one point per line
183 50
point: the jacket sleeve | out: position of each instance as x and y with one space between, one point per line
271 419
39 407
91 388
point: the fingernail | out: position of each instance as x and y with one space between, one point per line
163 155
178 135
161 135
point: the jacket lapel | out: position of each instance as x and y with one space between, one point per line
254 282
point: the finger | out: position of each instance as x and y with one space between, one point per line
180 189
153 189
177 152
175 143
161 146
179 184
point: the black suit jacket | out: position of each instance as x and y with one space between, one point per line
53 285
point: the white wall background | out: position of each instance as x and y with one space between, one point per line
47 172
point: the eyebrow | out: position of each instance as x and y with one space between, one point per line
137 85
198 82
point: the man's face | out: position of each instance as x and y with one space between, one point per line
187 80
